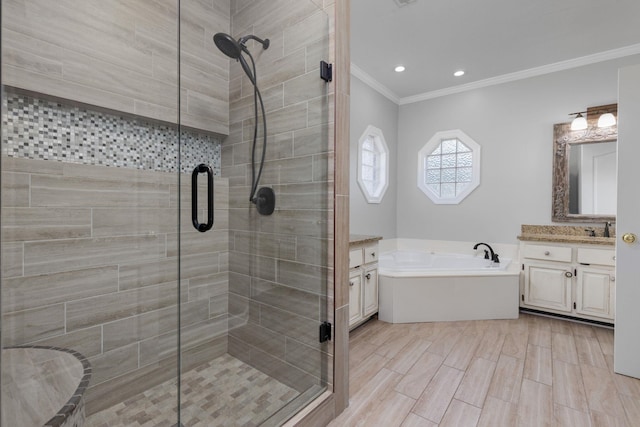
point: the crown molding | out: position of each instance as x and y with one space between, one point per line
374 84
525 74
505 78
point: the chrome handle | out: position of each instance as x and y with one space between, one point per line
568 274
547 253
368 276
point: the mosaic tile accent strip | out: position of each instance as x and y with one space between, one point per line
223 392
41 129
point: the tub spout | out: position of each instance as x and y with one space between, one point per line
493 257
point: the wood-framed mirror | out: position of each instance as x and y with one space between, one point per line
584 170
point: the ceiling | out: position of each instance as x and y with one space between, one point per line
492 40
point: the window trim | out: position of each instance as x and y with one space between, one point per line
383 168
430 146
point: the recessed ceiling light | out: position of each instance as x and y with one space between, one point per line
459 73
399 68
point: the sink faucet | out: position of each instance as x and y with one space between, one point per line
494 256
590 232
606 229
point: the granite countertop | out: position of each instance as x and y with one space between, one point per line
566 234
360 239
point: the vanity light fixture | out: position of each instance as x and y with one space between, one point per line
459 73
579 123
399 68
606 120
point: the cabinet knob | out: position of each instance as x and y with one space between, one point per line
613 278
350 283
373 254
629 238
568 274
368 276
547 253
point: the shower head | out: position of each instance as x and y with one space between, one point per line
228 45
234 48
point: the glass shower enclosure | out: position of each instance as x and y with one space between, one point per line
140 285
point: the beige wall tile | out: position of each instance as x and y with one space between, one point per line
304 303
111 364
15 189
87 342
62 255
262 338
25 326
34 291
132 329
12 256
110 307
21 224
164 346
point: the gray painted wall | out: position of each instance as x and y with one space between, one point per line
513 123
369 107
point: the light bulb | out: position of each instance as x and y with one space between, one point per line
399 68
579 123
606 120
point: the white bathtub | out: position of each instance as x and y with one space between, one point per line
428 281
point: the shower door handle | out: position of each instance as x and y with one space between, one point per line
201 168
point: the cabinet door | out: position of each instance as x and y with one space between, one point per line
370 284
548 286
355 296
594 292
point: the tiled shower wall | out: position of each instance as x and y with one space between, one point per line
280 278
90 252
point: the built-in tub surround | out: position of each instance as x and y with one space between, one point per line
422 294
43 386
568 234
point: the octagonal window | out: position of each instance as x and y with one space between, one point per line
373 164
449 167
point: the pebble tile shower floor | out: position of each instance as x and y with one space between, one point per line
224 392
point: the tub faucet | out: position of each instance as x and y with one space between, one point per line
494 256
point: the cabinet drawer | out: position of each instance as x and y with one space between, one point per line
550 253
596 256
370 253
355 257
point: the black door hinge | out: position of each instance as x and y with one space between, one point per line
325 331
326 71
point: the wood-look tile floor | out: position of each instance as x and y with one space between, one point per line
224 392
533 371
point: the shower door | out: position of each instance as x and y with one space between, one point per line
258 360
139 284
90 259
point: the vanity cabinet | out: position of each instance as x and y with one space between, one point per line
363 282
574 280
